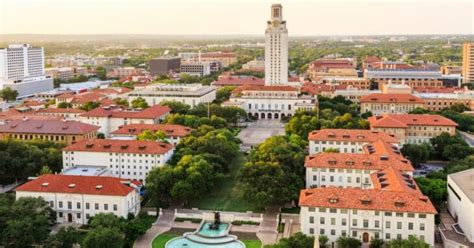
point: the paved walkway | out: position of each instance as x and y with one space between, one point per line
268 232
163 224
257 132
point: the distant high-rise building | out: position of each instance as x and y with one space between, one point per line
276 48
22 69
468 62
164 65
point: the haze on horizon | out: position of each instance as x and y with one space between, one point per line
231 17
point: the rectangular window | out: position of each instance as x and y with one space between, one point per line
78 205
422 226
311 230
343 221
78 215
87 205
387 236
387 224
60 204
388 213
354 233
322 210
333 232
106 206
377 224
333 221
354 222
332 210
399 225
97 206
321 220
311 219
410 226
366 223
115 207
311 209
321 231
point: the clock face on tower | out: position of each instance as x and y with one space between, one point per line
275 23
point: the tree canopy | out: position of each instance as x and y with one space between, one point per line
8 94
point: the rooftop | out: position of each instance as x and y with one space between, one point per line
464 180
91 185
354 135
405 120
369 199
120 146
153 112
170 130
47 127
391 98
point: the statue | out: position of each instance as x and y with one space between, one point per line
217 221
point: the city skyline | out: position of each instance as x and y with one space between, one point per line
183 17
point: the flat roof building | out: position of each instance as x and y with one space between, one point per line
164 65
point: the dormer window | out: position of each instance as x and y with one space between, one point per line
399 204
332 162
333 200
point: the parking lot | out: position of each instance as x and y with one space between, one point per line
256 132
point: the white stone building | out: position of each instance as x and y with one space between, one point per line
77 198
276 48
111 118
130 159
366 213
271 102
365 190
196 68
190 94
345 140
22 69
174 133
461 202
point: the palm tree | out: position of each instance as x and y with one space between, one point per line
376 243
323 240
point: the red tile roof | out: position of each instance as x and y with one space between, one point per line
405 120
356 161
437 90
13 114
354 135
238 81
314 89
368 199
90 185
47 127
391 98
120 146
61 111
153 112
171 130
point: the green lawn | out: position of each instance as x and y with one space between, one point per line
227 195
252 243
160 241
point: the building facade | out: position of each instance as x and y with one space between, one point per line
380 104
270 102
60 131
413 128
75 199
196 68
468 62
461 204
276 48
413 77
174 133
111 118
22 69
164 65
129 159
190 94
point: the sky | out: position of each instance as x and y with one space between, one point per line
231 17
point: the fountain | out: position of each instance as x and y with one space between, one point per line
217 221
209 234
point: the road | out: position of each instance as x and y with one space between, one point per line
469 138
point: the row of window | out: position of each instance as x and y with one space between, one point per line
365 223
78 205
355 211
355 234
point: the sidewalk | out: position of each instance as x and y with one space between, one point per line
163 224
268 232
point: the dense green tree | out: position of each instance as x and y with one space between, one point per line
411 242
103 237
417 154
27 215
64 105
436 189
223 94
152 136
8 94
139 103
376 243
195 122
121 102
101 73
297 240
22 159
88 106
64 238
323 241
45 170
177 107
106 221
449 147
348 242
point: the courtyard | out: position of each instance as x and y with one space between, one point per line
257 132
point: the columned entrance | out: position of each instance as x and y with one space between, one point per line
262 116
365 237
